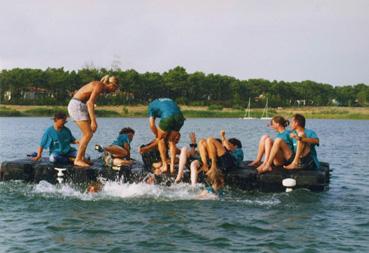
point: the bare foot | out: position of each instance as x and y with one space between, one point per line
164 168
254 163
264 168
291 166
81 164
261 167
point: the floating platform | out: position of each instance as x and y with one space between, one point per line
244 177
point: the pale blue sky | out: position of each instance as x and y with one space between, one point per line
293 40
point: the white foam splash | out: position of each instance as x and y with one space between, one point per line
119 190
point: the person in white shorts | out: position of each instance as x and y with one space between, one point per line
81 109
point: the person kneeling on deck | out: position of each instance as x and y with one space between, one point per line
119 152
304 142
57 139
171 121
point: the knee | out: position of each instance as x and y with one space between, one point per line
264 137
278 141
202 142
88 135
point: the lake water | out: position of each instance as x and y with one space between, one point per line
143 218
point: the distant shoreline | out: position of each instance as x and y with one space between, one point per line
334 112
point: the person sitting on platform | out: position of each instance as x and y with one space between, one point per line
58 139
280 151
186 154
224 155
119 152
304 142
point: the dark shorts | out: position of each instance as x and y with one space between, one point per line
172 123
226 162
289 160
307 162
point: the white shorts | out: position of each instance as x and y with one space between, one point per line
78 110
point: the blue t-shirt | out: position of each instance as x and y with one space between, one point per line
58 142
237 156
285 135
163 108
121 140
309 134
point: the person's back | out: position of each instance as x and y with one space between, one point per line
163 108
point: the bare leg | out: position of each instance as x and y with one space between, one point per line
261 151
301 150
163 155
215 150
185 153
195 166
278 145
172 151
203 150
85 127
119 152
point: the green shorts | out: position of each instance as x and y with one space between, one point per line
172 123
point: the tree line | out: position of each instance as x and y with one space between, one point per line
55 86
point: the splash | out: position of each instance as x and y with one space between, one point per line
118 190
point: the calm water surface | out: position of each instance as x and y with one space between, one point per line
142 218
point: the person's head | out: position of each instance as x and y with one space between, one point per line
111 83
60 118
278 122
298 120
128 131
94 187
235 143
217 182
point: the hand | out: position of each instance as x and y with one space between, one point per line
36 158
140 150
192 137
76 142
93 126
222 134
294 136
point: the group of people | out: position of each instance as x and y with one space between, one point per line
209 158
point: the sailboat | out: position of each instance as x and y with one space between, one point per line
265 116
248 112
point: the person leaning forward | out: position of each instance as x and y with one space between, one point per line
81 109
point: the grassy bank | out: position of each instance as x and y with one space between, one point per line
194 112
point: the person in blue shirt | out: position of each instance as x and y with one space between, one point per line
171 122
281 150
58 139
120 150
304 142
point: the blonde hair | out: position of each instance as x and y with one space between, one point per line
109 80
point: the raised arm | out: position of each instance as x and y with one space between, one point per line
225 141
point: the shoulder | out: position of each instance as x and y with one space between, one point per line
310 132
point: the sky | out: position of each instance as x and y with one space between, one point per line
325 41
